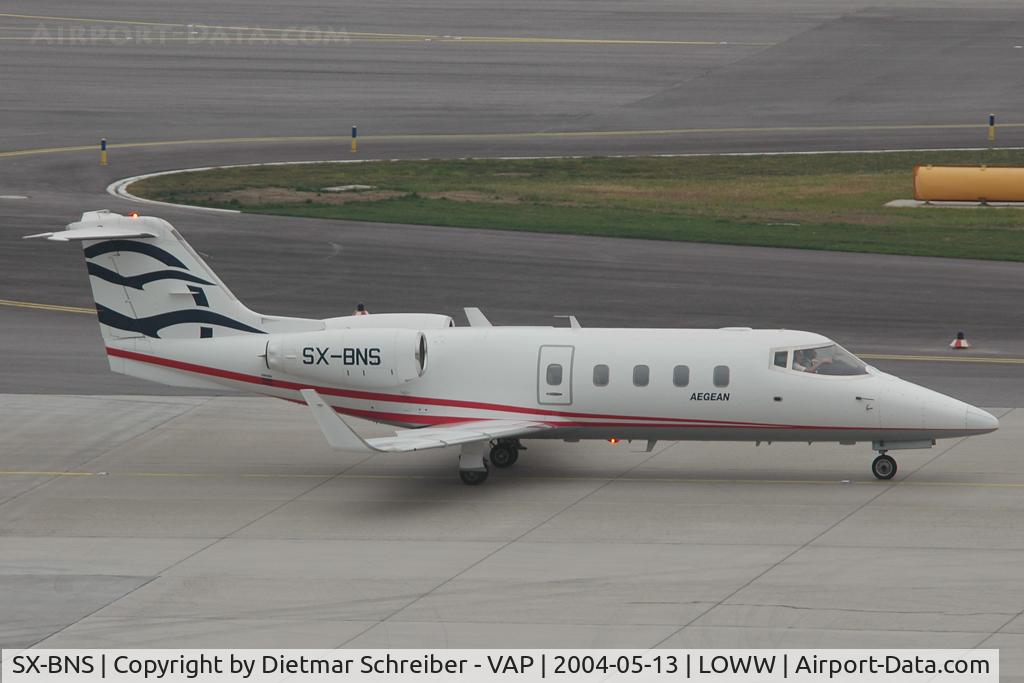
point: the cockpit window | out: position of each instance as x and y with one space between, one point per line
828 360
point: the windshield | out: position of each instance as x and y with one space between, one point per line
828 360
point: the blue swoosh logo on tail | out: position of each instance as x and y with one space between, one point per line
140 281
165 257
152 325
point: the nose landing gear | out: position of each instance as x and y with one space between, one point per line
884 466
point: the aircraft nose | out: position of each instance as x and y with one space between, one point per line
980 422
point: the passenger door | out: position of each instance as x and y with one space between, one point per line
554 375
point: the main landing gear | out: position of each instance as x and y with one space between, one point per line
884 466
505 452
473 465
474 477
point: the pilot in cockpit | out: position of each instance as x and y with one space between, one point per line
803 360
828 360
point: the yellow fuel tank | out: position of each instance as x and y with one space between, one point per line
969 183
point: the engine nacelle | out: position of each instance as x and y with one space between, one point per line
367 358
405 321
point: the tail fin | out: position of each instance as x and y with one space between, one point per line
148 282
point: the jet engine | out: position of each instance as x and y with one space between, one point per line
362 358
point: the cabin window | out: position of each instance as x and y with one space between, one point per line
554 374
681 375
641 375
780 358
600 375
721 376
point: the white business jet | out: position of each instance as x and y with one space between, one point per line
166 317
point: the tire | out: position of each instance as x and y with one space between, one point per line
473 477
883 467
503 455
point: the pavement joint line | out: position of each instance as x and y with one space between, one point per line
326 479
607 481
887 487
102 607
204 548
906 480
999 630
90 459
525 135
528 478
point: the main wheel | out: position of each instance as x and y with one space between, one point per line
473 477
883 467
504 455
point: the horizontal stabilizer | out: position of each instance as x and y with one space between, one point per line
90 233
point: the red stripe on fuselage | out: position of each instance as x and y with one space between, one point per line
394 398
418 400
618 421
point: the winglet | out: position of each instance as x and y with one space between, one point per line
476 318
337 432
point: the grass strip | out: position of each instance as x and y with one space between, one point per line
819 201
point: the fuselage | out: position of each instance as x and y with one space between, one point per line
586 383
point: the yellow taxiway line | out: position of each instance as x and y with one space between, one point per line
505 136
867 356
47 307
944 359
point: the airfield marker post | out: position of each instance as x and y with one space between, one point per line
355 141
991 127
103 151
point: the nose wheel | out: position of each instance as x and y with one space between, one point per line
884 466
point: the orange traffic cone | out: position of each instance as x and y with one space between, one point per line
960 342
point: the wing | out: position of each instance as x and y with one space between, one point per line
341 436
